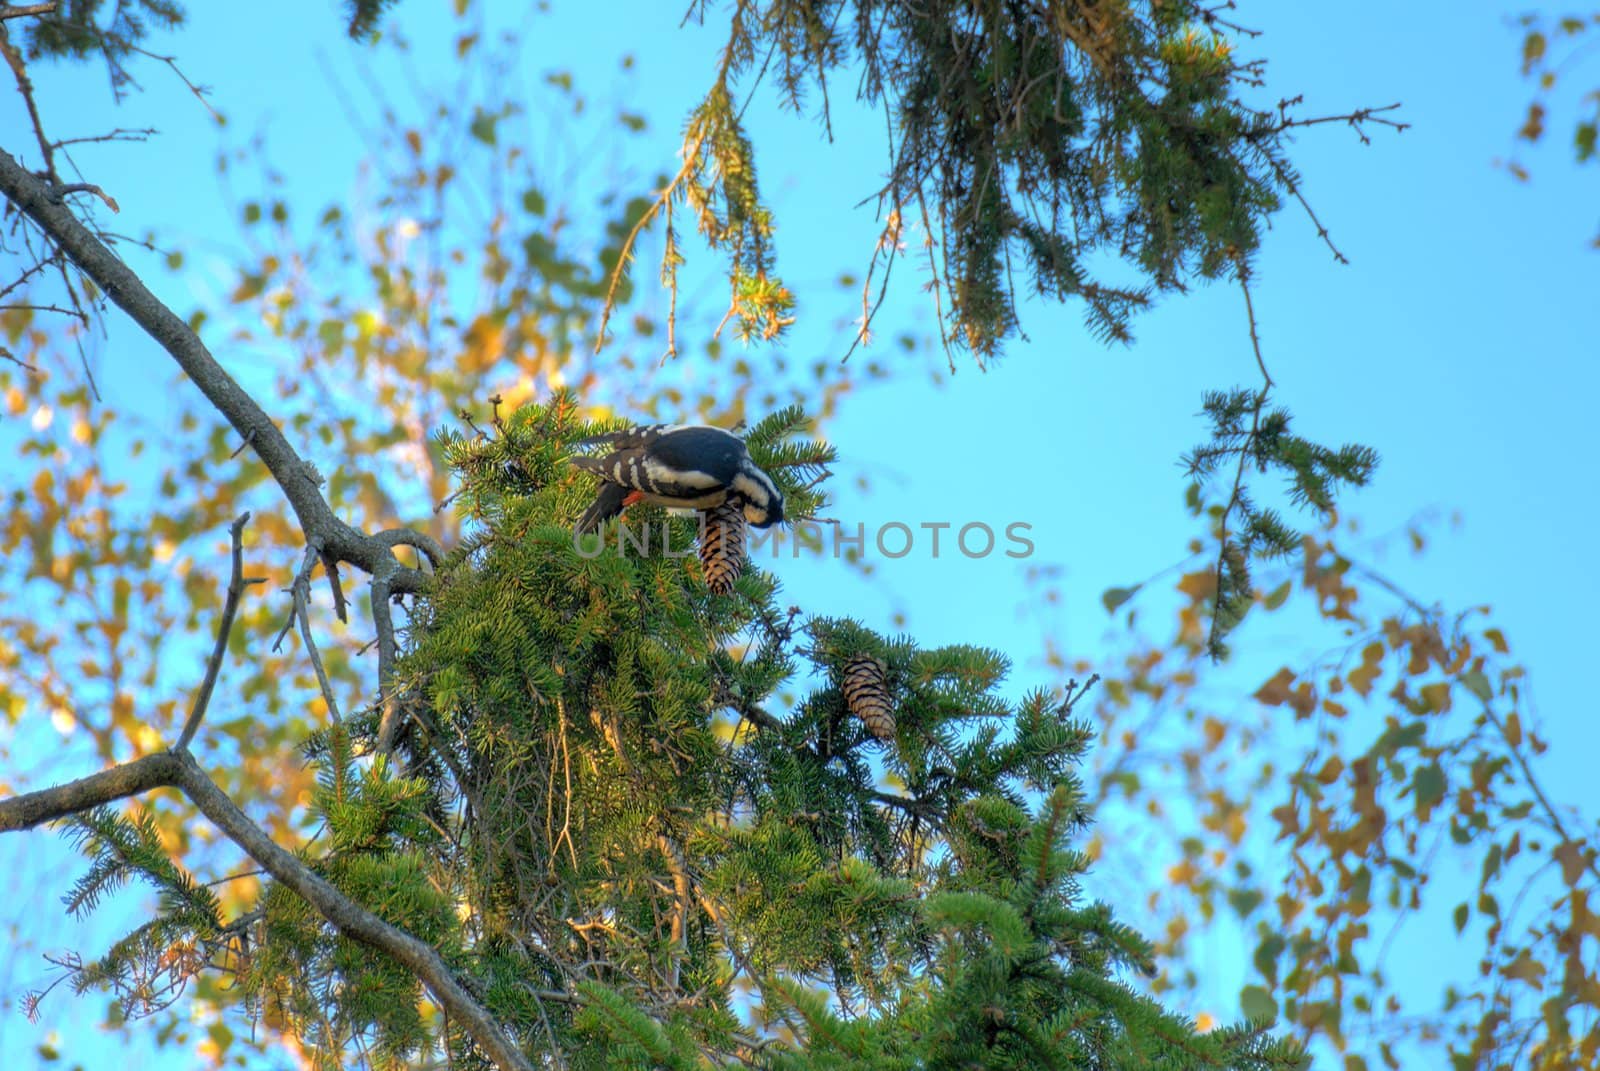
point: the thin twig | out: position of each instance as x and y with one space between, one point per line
300 597
383 623
682 889
19 70
118 134
76 314
889 239
237 582
18 361
59 192
302 605
303 577
24 10
200 92
1236 494
625 253
32 270
1552 815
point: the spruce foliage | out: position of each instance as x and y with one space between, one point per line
1247 437
1039 147
637 853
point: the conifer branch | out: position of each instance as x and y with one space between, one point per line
681 887
911 805
755 714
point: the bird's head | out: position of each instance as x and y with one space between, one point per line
762 501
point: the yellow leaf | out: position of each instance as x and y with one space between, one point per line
1199 586
1362 676
1276 691
1513 729
1573 856
1532 50
1526 969
1437 696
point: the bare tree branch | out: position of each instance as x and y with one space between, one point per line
24 10
384 623
299 480
119 782
350 918
177 769
19 70
410 537
237 582
300 597
6 354
328 538
86 187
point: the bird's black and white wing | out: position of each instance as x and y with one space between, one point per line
674 465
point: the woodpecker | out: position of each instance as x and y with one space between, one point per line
692 466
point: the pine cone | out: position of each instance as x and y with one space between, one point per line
722 546
866 693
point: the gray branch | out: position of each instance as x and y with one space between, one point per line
237 582
59 801
327 537
350 918
174 769
339 541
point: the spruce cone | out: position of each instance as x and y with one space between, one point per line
866 693
722 545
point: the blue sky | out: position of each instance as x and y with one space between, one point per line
1458 341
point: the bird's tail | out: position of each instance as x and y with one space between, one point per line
606 505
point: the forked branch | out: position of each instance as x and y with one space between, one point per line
36 198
